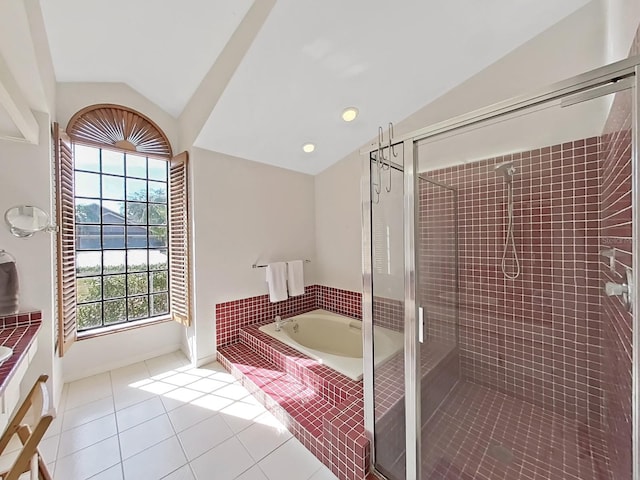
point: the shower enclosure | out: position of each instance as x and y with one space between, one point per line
503 244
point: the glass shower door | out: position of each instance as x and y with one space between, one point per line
387 272
525 367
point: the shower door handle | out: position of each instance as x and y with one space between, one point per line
421 324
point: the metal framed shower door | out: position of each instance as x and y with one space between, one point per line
602 81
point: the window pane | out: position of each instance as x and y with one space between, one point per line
121 214
138 307
86 158
87 184
158 260
88 237
89 315
136 213
157 236
112 237
136 190
87 210
159 281
157 214
89 289
114 261
115 311
114 286
158 192
159 304
112 211
112 162
88 263
137 260
157 169
112 187
137 237
136 166
137 283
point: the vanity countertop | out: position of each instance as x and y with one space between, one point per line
17 332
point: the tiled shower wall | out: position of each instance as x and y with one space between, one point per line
537 337
616 233
437 267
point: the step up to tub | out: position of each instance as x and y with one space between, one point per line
334 386
302 403
322 408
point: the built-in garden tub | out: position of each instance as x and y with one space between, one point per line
334 340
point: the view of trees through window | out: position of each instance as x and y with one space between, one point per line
122 269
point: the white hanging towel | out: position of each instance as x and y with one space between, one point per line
295 277
277 280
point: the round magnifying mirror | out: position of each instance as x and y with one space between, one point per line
25 220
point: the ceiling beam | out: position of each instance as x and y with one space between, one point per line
17 106
201 104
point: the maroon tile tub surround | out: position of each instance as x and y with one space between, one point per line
17 332
537 337
320 406
232 316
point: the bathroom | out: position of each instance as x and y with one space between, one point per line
249 209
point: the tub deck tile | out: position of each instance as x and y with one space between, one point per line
303 403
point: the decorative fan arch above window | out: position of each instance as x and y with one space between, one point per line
119 127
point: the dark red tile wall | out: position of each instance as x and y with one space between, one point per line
388 313
20 319
437 267
537 337
232 316
616 233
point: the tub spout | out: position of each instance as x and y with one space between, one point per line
280 322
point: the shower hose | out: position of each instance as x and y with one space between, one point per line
509 240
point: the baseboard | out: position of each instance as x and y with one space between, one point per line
205 360
119 363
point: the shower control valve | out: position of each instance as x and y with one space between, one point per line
616 289
623 290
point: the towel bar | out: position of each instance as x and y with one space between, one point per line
255 265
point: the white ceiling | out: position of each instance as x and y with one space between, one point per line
162 49
309 61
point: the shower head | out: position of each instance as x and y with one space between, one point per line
506 169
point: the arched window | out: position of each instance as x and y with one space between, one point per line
123 240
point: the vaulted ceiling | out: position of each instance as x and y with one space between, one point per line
309 60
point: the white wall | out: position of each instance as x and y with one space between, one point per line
244 212
338 224
623 17
25 178
99 354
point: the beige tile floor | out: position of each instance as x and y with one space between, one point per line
163 419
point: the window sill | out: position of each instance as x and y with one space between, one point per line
122 327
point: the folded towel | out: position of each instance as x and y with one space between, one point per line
8 288
277 280
295 277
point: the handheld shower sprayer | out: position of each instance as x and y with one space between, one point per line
508 171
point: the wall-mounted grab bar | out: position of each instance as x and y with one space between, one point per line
255 265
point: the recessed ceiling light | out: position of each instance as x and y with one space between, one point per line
349 114
308 147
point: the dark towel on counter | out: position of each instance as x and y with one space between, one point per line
8 288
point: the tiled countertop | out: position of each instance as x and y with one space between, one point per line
17 332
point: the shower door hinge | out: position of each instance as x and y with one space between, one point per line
421 324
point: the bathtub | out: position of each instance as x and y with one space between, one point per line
334 340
